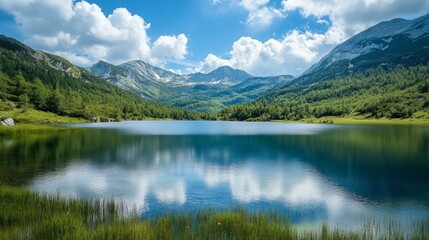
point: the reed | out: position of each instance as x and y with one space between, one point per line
25 214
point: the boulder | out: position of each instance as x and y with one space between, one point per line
8 122
96 119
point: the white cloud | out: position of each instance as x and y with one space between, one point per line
74 58
166 47
321 21
253 5
263 17
81 32
211 62
291 54
260 15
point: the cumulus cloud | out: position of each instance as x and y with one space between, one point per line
253 5
166 47
211 62
260 15
291 54
81 32
297 50
263 17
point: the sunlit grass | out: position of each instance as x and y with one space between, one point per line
29 215
33 116
28 128
359 121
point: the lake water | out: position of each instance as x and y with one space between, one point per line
316 173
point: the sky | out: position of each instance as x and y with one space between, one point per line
262 37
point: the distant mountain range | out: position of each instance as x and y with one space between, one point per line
386 45
209 92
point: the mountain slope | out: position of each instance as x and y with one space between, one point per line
198 92
34 79
151 72
376 93
136 76
256 87
387 44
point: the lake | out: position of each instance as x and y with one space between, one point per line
338 174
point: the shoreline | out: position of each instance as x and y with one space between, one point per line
353 121
54 124
43 119
36 121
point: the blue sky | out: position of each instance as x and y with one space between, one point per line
263 37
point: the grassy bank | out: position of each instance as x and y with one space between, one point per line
37 117
361 121
28 215
33 118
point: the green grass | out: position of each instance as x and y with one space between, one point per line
29 215
29 128
38 117
34 121
361 121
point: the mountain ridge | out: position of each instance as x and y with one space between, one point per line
224 74
383 44
201 92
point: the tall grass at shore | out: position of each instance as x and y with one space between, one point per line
30 215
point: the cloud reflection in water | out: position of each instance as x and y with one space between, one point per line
287 173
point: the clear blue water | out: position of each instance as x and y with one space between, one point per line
316 173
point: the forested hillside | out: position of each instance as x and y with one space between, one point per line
376 93
33 79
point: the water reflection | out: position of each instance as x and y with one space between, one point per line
338 175
185 185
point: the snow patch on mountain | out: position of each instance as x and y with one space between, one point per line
378 37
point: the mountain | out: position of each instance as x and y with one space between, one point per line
382 72
224 75
136 76
31 79
387 44
150 72
209 92
130 73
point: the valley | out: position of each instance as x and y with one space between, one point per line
199 92
381 72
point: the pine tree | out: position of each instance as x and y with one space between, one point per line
24 102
